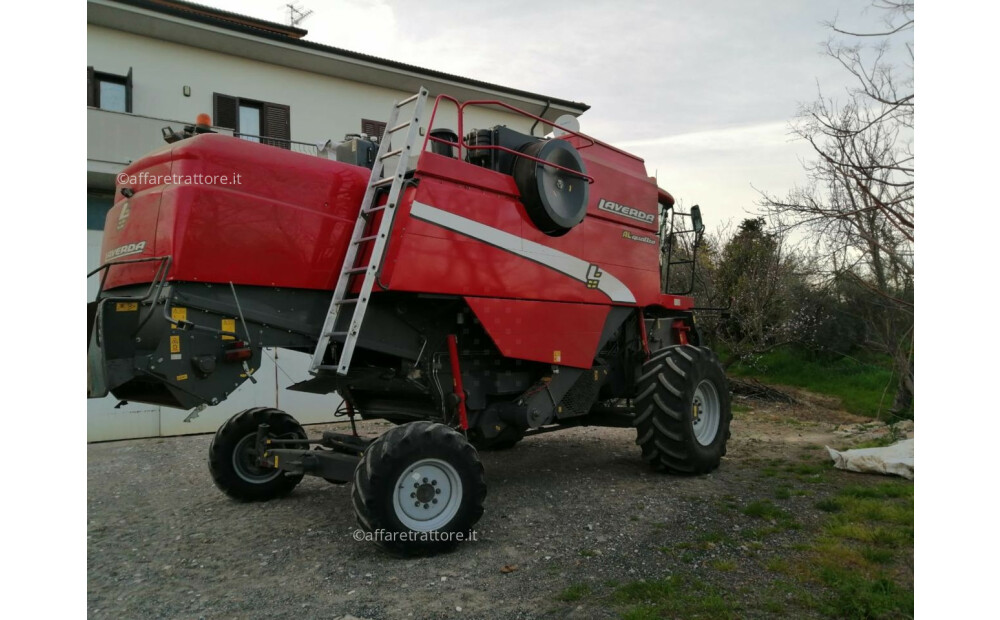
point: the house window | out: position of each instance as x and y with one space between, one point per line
256 121
372 129
249 122
108 91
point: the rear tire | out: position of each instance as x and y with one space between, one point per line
419 489
683 410
233 450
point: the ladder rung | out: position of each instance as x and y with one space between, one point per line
364 239
344 302
409 99
374 210
382 182
356 269
391 154
331 334
398 127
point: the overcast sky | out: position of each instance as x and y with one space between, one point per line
703 91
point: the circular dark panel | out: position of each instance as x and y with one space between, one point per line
555 200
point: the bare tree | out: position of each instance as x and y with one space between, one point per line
857 206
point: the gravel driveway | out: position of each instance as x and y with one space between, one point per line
566 508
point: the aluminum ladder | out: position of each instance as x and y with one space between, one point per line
378 239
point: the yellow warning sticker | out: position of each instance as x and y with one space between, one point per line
556 356
178 314
228 325
175 344
126 306
182 377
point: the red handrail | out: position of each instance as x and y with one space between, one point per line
460 108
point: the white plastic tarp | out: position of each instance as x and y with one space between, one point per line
896 459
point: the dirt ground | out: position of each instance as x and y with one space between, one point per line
567 512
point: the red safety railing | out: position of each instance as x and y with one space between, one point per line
460 109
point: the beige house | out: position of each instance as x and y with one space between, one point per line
157 63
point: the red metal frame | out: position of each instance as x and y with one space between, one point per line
643 334
456 372
682 330
460 107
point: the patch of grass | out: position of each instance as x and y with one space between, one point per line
806 469
674 596
574 592
713 537
855 595
764 510
778 565
782 493
642 612
740 408
853 557
725 566
876 555
858 383
880 491
587 553
830 504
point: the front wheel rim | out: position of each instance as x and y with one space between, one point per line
706 411
427 495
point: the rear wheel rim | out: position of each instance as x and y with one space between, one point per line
428 495
245 460
706 411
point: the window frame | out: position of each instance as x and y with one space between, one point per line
267 109
94 79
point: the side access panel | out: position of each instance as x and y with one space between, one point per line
566 334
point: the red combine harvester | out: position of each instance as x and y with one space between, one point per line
472 288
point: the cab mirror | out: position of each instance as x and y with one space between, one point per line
696 223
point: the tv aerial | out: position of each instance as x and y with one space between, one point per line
297 13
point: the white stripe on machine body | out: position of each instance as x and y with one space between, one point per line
562 262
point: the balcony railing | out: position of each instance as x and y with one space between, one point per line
291 145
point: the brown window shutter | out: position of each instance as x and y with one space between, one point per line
91 88
224 111
128 91
275 123
372 128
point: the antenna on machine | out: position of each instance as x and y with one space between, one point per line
297 13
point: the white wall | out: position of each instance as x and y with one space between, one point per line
322 107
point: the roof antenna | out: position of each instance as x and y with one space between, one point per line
297 13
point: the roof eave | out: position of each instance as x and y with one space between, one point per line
196 30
